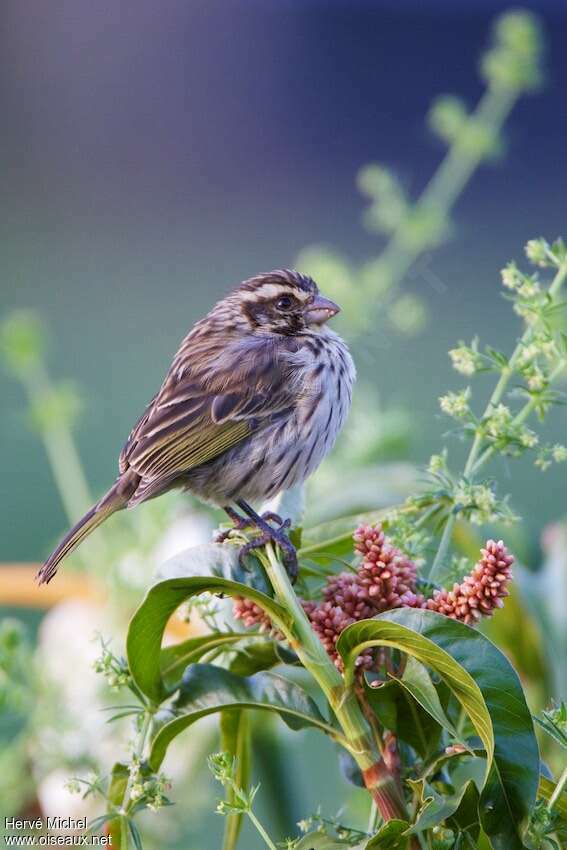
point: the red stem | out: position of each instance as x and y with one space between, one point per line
387 795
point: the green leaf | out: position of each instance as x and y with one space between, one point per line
214 559
391 836
466 818
435 808
143 642
398 711
235 739
175 658
207 689
489 690
335 537
417 681
118 782
261 655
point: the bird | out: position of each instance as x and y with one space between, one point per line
251 404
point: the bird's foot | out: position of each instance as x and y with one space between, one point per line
280 538
240 523
244 523
267 534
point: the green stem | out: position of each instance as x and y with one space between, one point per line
558 791
450 179
64 460
519 419
381 784
268 841
474 462
124 832
138 755
61 452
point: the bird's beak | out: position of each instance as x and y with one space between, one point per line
320 310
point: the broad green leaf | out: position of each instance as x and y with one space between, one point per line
399 712
417 681
214 559
489 690
143 642
466 818
524 647
235 739
175 658
261 655
435 808
392 835
335 537
207 689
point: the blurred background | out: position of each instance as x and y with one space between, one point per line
154 155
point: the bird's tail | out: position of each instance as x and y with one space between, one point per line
113 501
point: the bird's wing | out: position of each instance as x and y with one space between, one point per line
201 411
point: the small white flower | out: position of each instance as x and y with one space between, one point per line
528 438
559 453
511 276
537 252
436 464
464 360
528 353
456 404
535 379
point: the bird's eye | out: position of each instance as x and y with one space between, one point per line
284 303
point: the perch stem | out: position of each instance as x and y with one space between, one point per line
380 782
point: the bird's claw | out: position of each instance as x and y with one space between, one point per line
280 538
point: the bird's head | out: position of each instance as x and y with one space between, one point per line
283 302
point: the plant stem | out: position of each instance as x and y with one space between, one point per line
520 417
137 755
450 179
61 452
123 833
268 841
558 791
381 784
64 460
474 462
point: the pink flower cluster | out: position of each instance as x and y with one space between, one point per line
386 579
481 592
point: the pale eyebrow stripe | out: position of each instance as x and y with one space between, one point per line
271 290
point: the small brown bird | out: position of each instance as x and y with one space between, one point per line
252 403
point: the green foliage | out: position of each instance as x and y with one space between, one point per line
149 622
207 689
487 687
439 732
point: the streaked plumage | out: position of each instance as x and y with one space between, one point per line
252 403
